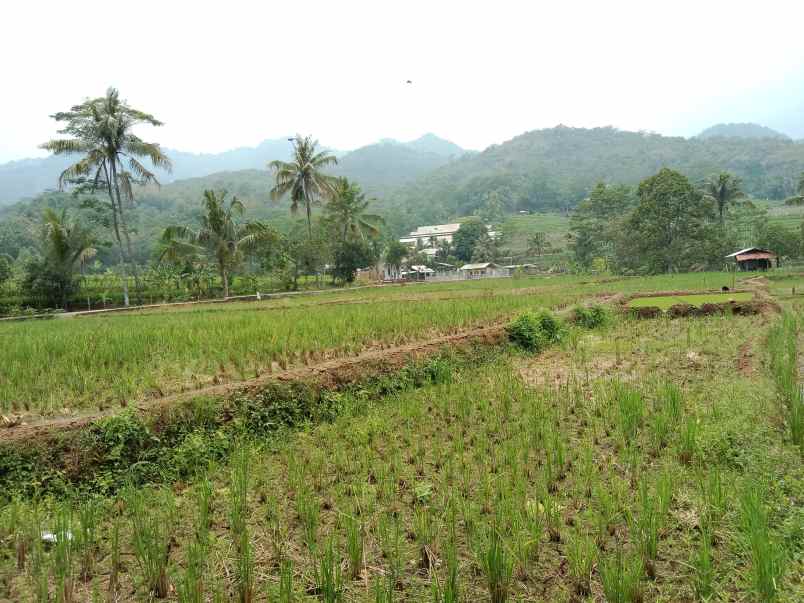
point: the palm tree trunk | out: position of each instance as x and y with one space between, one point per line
225 276
116 226
124 228
309 220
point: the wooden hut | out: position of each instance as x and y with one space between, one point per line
754 258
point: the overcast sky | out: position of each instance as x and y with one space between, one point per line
228 74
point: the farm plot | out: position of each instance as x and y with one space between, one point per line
657 473
664 302
64 365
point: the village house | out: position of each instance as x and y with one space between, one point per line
482 270
754 258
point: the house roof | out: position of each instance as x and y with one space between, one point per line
756 255
434 230
480 266
748 250
421 269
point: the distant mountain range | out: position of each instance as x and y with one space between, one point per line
746 130
378 166
553 169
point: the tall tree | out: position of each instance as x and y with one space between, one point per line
223 238
303 178
395 255
467 236
667 229
100 129
65 246
722 189
597 221
538 243
346 212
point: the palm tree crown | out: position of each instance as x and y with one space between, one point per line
302 177
346 210
101 130
222 236
723 189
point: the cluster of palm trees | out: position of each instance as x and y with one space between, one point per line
101 131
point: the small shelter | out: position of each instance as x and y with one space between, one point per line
419 273
481 270
754 258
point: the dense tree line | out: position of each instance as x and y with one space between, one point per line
667 224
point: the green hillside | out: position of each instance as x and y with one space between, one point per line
549 170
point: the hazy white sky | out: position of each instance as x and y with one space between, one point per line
228 74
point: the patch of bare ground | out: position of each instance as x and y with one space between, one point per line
558 368
327 374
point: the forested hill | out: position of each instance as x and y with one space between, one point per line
555 168
378 167
741 131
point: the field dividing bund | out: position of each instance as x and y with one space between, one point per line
61 367
634 462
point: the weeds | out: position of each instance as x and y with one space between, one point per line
767 557
152 515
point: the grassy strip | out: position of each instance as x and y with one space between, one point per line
132 450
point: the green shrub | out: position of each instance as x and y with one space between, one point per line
590 317
533 331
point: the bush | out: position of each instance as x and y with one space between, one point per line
590 317
533 331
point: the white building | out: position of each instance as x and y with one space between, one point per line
428 234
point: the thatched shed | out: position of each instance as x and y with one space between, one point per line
754 258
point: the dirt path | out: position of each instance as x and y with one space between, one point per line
327 374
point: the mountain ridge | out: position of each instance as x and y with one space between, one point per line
25 178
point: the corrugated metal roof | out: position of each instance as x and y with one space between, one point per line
749 249
478 266
756 255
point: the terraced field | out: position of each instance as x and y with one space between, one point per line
620 460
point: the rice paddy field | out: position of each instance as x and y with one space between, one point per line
664 302
65 365
619 460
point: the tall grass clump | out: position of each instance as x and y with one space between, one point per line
534 331
328 577
152 514
63 555
191 584
497 567
620 577
767 556
239 484
783 352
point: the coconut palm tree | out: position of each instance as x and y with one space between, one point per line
723 189
222 238
346 210
302 177
100 129
65 246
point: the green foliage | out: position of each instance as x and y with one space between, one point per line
466 238
620 576
346 214
533 331
497 567
591 317
152 514
64 246
302 178
668 226
222 239
349 256
767 556
723 190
